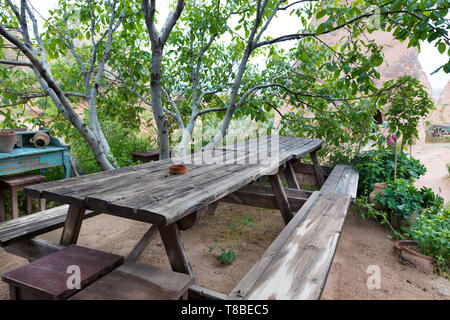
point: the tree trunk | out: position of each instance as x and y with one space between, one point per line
233 97
160 118
186 138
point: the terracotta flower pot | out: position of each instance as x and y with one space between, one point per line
409 253
177 169
7 140
377 188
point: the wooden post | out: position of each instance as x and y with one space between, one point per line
2 207
14 204
29 204
72 226
42 202
212 208
189 221
317 168
289 174
142 244
175 249
281 198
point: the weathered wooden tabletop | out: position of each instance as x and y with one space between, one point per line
145 192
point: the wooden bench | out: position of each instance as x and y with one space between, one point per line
49 278
132 281
342 179
32 225
15 184
296 264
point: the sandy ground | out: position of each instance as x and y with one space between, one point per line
435 156
363 243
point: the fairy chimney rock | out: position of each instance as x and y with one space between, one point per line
444 97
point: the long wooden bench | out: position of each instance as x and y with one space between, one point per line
296 264
32 225
342 179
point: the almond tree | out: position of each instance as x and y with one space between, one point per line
79 32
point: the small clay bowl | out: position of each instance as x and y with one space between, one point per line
177 169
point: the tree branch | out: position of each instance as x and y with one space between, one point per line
16 63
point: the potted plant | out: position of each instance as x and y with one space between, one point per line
402 199
409 252
177 169
7 140
430 238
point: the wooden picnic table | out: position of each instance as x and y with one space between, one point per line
147 193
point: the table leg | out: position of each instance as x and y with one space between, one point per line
29 204
42 202
72 226
14 204
66 160
2 207
212 208
175 249
142 244
317 168
281 198
289 174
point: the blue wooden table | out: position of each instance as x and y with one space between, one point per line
27 157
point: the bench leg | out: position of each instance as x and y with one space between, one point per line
289 174
29 204
14 204
72 226
317 168
281 198
42 202
2 207
12 292
176 251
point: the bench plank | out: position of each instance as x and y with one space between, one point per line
300 269
342 179
35 224
245 285
47 277
132 281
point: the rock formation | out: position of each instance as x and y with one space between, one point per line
444 97
399 60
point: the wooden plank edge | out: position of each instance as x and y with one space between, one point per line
33 249
196 292
29 235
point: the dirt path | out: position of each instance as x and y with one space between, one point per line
435 157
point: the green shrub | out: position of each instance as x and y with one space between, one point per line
226 256
400 196
432 232
378 166
122 141
404 198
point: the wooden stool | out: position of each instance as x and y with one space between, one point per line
17 183
48 278
145 156
132 281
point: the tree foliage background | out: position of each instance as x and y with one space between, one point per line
218 64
